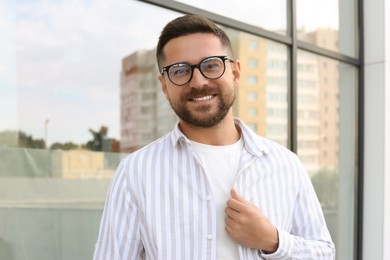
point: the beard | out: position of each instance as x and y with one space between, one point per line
203 116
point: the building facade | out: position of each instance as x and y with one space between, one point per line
315 78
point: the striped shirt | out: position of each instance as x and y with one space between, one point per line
160 203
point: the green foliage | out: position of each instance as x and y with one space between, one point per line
326 184
13 138
64 146
28 141
9 138
20 139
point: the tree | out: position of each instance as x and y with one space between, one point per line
28 141
64 146
22 139
9 138
96 144
326 184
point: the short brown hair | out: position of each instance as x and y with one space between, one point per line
186 25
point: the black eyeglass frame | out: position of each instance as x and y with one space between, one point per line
223 58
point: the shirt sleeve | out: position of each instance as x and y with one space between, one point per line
309 236
119 234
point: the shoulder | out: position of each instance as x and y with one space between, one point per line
259 146
275 148
149 151
271 153
134 167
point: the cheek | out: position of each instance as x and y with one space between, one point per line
231 82
166 94
236 83
163 86
172 95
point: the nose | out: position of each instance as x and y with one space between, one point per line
198 80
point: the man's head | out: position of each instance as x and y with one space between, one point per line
198 75
190 24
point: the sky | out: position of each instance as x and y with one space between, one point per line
271 15
60 60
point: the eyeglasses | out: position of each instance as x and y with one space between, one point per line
211 68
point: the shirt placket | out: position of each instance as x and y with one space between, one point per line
246 161
211 234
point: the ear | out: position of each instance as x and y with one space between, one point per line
236 73
161 78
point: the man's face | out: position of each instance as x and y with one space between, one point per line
201 102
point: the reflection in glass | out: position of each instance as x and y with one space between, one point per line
78 87
326 99
319 23
262 96
269 15
261 99
61 117
145 113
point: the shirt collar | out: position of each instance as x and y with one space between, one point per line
252 142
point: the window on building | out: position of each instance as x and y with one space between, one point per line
69 112
338 126
253 45
252 80
252 63
252 111
252 96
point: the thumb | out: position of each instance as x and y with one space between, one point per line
236 196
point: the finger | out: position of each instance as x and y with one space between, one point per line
230 222
236 205
232 213
237 196
229 230
237 202
243 203
232 225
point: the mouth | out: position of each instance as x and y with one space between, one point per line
204 98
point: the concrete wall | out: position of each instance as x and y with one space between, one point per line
376 217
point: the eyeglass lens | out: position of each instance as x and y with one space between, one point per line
210 68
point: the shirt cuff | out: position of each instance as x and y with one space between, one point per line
284 249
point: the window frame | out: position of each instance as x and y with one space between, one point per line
293 44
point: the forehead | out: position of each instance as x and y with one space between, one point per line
192 48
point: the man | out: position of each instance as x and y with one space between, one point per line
211 188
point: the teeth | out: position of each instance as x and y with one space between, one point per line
203 98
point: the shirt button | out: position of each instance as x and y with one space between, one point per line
209 236
208 198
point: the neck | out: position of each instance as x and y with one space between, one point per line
224 133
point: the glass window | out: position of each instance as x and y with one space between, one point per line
252 111
269 15
252 63
252 126
252 80
66 77
255 83
252 96
79 90
253 45
329 24
328 149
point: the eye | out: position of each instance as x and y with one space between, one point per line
211 64
179 70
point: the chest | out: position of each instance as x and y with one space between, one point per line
183 193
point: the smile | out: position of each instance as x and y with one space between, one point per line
202 98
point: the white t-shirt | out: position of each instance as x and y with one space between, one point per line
221 166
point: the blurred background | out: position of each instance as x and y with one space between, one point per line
79 91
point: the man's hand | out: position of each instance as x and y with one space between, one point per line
248 226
